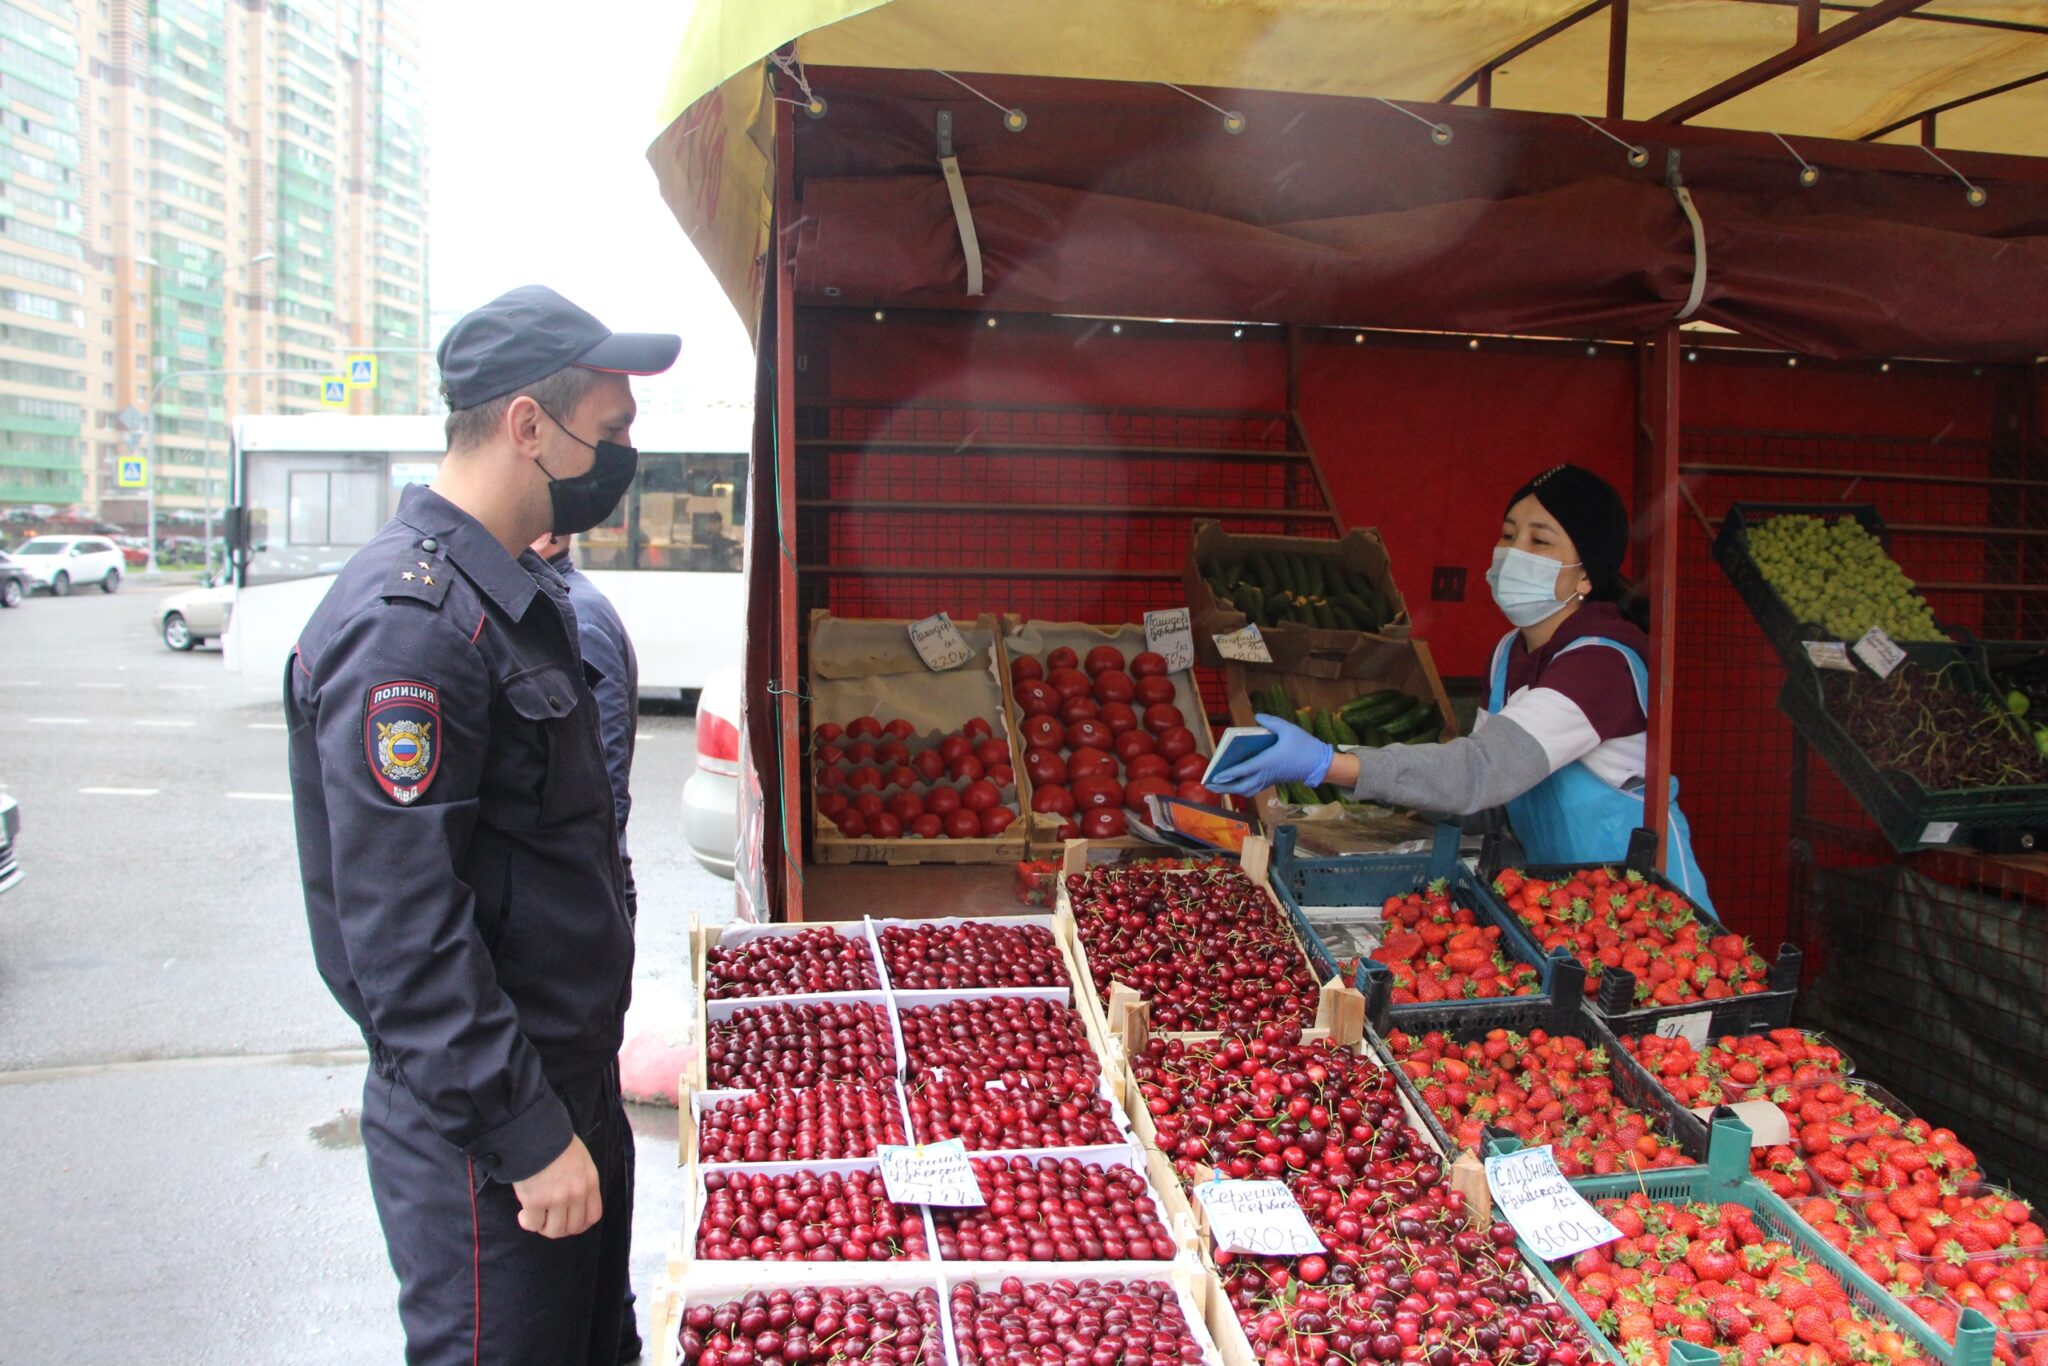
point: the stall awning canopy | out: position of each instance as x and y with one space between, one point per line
1257 227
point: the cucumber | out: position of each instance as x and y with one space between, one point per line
1326 728
1375 706
1341 614
1311 571
1249 600
1342 729
1283 567
1262 573
1324 617
1414 726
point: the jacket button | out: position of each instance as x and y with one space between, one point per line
430 545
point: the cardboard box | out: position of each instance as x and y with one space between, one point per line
1360 551
1371 664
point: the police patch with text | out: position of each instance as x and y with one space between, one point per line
402 734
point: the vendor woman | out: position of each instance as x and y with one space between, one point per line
1561 741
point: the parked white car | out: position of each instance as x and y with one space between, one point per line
196 615
58 564
711 794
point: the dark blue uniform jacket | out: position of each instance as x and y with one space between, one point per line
456 831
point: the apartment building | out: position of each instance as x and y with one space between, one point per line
200 185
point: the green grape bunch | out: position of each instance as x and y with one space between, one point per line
1838 576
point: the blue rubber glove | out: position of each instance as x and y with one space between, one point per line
1295 757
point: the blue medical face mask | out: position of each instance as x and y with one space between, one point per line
1525 585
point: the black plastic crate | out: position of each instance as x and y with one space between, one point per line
1615 996
1562 1014
1911 815
1781 626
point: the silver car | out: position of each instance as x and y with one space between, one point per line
196 615
10 828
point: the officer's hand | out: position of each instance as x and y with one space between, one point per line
1295 756
562 1199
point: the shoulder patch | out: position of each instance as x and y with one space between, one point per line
402 737
420 576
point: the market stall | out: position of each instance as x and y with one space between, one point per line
968 244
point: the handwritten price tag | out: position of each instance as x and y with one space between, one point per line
1257 1217
1690 1027
929 1173
1830 654
938 642
1530 1193
1245 645
1878 651
1167 633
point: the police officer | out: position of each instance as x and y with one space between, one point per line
460 856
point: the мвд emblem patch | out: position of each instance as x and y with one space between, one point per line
400 725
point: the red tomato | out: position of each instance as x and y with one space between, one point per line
1132 743
966 769
930 764
1038 699
1043 732
869 804
1090 735
1176 742
942 800
891 753
1090 762
1148 664
1069 682
980 796
992 751
1118 716
1077 709
851 825
1189 767
1194 792
831 804
1097 790
1154 689
828 754
885 827
1104 823
828 776
860 752
963 825
1103 658
864 728
1045 766
1137 789
866 776
1163 716
1002 775
1062 658
978 729
928 826
996 820
1025 667
1114 685
1145 766
899 729
954 748
1068 831
906 806
828 733
901 776
1054 799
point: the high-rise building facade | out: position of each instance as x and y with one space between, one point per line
194 186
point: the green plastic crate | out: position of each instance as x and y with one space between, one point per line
1725 1178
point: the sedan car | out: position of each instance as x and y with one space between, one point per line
14 582
711 794
196 615
58 564
10 826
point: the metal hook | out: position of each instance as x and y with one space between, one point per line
1233 121
1439 133
1973 195
1638 156
1809 174
1013 119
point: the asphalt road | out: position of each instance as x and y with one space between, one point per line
177 1089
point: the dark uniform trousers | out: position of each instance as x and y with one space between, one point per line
463 886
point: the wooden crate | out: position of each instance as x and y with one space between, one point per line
867 667
1081 637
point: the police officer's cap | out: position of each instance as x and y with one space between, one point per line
527 334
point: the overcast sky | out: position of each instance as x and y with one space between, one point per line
540 116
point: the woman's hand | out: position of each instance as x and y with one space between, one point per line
1295 756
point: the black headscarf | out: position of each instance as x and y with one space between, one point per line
1593 515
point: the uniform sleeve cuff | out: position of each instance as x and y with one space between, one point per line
523 1145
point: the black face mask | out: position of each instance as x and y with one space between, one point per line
583 501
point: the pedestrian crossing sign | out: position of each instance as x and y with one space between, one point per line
334 392
132 472
362 372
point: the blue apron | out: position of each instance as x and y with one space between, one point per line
1573 817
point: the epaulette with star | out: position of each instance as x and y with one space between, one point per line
421 575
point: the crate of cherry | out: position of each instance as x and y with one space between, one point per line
1711 1257
1651 955
1200 948
1102 725
907 764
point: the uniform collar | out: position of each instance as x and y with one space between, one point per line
473 550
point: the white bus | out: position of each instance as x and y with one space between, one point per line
309 490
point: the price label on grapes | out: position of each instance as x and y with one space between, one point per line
938 642
1879 651
1167 634
929 1173
1261 1218
1692 1027
1830 654
1245 645
1530 1193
